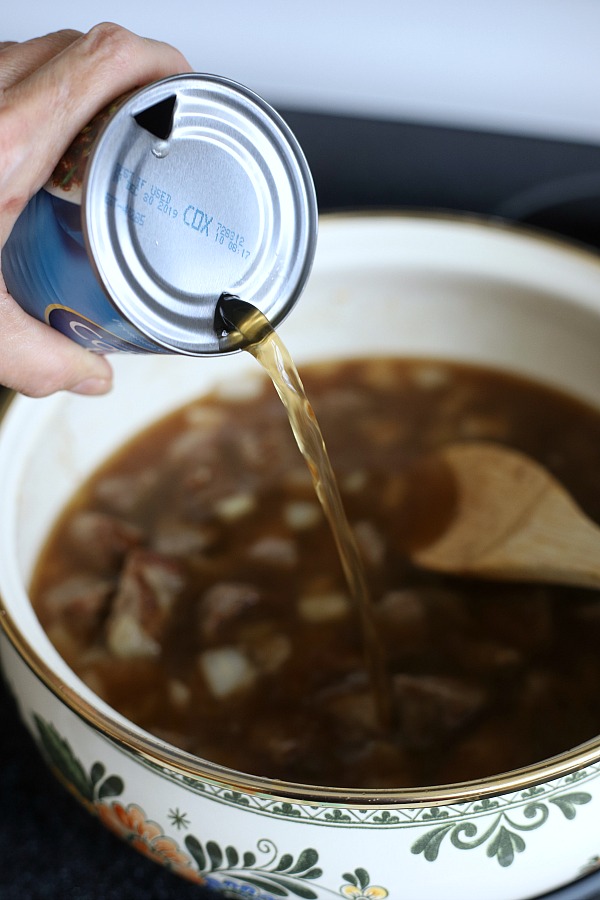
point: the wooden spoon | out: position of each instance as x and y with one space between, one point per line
511 520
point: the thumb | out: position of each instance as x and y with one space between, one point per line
37 360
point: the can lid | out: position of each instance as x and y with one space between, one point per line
196 187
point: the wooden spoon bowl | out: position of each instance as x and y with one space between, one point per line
510 520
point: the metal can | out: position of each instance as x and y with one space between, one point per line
187 189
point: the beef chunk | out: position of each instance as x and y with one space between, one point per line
221 604
80 602
433 708
101 541
143 605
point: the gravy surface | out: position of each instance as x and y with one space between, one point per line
193 583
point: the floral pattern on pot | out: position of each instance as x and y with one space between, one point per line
272 876
518 812
494 825
503 837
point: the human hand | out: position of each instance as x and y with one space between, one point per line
50 88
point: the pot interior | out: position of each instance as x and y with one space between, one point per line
404 286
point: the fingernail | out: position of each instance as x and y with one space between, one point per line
92 386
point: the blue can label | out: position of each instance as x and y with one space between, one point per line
46 267
85 332
47 270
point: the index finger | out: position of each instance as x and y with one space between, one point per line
18 60
46 110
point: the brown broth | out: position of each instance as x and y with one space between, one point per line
211 513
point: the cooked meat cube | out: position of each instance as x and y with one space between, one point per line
283 742
433 708
404 627
355 711
101 541
405 613
268 650
197 444
143 604
221 604
80 602
447 608
282 746
124 494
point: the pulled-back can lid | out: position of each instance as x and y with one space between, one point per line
196 187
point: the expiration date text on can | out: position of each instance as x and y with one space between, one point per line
130 180
232 238
161 200
132 214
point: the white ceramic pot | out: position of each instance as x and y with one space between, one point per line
382 284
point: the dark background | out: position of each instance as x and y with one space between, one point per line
49 846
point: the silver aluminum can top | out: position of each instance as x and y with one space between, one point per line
197 187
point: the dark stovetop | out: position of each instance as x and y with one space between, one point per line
50 847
